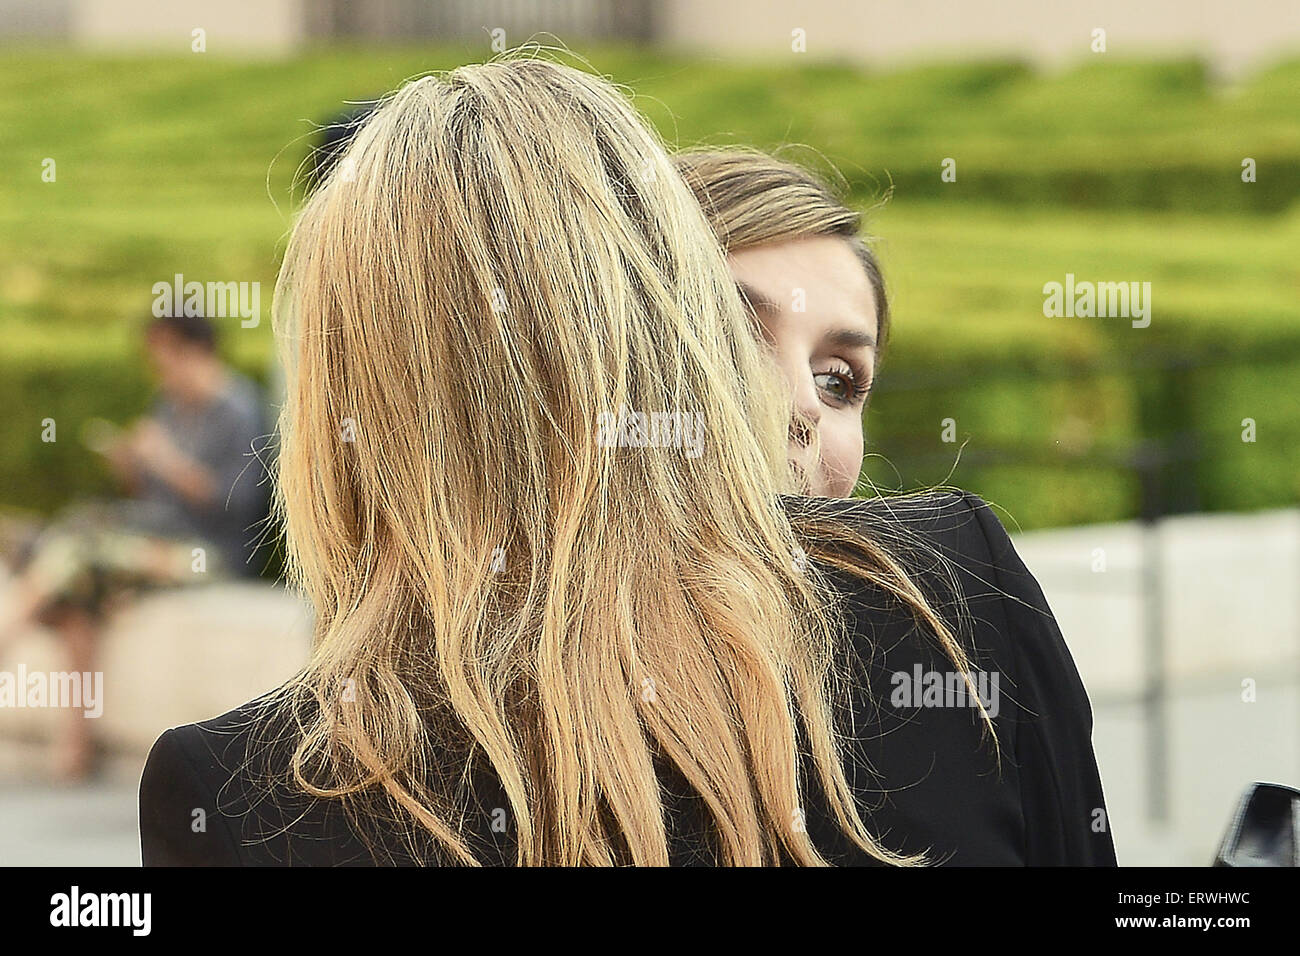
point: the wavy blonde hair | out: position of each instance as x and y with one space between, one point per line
503 254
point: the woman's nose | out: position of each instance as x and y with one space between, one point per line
807 413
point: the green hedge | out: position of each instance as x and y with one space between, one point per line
1113 170
1063 450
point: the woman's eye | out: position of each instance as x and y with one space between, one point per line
842 386
839 386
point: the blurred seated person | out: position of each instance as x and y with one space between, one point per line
195 508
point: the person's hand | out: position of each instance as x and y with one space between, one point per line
105 438
155 451
152 448
101 435
121 459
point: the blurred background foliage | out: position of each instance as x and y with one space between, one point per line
1113 171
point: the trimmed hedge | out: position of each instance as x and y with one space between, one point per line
1113 171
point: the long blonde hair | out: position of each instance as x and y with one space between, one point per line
504 257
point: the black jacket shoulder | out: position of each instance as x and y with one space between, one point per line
219 793
932 779
927 776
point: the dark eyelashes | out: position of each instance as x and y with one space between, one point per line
859 384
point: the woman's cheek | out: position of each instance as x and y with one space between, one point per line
841 460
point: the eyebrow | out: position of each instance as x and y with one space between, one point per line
850 338
841 338
756 300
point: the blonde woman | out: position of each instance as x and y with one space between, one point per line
549 631
815 289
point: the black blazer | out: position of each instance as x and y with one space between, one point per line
925 779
